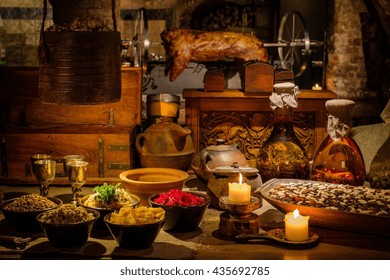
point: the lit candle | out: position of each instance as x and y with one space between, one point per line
316 87
239 192
297 226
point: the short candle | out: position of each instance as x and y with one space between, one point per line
316 87
239 192
296 226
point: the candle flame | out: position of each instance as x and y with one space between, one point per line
296 213
240 180
317 85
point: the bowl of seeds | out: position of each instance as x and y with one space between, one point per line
68 226
21 212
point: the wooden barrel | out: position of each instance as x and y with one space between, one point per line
81 67
65 11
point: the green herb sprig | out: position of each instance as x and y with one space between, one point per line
106 192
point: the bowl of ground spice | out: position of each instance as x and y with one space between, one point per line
184 210
21 212
68 226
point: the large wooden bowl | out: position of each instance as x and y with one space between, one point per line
143 182
329 218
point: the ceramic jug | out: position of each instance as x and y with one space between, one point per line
165 144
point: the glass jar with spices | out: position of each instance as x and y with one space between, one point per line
282 154
338 159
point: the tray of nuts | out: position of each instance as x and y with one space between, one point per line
344 207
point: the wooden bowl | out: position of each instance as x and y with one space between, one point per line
329 218
144 182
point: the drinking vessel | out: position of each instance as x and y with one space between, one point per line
45 172
77 176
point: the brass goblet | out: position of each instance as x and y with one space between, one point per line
36 157
77 176
45 172
68 158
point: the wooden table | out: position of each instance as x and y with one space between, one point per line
205 243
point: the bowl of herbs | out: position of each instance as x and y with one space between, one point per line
108 198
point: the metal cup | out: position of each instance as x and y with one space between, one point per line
36 157
69 158
45 172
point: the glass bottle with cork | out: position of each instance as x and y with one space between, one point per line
338 159
282 154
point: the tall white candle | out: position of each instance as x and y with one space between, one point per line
239 192
296 226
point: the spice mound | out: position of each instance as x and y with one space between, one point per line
109 196
355 199
30 203
136 216
179 198
67 214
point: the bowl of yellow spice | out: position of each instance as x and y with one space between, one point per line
107 198
135 228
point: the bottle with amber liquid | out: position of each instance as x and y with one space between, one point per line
282 154
338 159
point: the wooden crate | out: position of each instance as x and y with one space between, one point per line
103 133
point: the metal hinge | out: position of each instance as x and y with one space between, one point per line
111 118
101 158
118 147
118 166
4 157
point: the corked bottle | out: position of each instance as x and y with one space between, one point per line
339 159
282 155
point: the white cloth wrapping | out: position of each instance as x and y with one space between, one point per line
336 128
285 99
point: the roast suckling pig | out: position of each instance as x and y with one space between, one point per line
184 45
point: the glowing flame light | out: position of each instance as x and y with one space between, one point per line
240 180
296 213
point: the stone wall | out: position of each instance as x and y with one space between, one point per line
354 63
347 71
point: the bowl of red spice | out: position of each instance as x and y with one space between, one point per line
184 210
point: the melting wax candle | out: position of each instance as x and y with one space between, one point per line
296 226
239 192
316 87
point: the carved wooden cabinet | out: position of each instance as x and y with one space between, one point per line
244 119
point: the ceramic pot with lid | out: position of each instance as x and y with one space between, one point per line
165 144
214 156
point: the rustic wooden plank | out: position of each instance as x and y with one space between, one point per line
116 151
23 106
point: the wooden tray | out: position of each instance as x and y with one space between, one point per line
336 219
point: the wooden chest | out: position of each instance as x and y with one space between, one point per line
103 133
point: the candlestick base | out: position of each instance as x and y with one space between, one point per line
232 225
240 208
238 218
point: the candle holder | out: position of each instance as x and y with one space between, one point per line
238 217
218 183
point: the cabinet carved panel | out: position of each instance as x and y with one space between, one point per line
248 130
245 119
